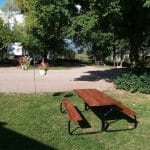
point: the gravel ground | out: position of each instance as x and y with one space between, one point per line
15 80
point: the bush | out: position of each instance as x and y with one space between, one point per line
137 79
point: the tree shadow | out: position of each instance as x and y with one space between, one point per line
11 140
9 63
68 94
109 75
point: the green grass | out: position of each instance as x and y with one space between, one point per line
82 57
34 122
63 66
104 66
52 68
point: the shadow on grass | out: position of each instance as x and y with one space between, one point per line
11 140
109 75
84 124
58 93
64 94
110 115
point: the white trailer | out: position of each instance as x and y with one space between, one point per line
15 49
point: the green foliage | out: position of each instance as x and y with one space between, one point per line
147 3
122 45
134 25
46 21
81 26
100 24
135 80
102 44
5 34
123 19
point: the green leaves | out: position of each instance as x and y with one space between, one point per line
95 25
83 25
100 23
134 80
5 34
46 22
147 4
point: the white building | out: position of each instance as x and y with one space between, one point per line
15 49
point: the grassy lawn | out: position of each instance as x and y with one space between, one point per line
60 67
104 67
52 68
34 122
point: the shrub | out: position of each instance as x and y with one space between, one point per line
24 62
137 79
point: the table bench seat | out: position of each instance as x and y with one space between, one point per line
70 109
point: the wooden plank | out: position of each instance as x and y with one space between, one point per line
99 97
94 97
123 108
106 98
126 110
73 114
84 95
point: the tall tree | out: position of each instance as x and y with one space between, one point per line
5 34
104 22
5 37
46 21
133 24
96 25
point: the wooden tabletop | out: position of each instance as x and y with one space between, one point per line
94 97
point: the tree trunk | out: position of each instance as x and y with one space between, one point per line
134 55
121 59
114 56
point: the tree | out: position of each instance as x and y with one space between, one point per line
96 26
46 21
117 20
5 34
147 4
133 25
98 23
10 6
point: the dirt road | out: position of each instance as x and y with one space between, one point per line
15 80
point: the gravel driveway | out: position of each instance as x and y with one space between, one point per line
15 80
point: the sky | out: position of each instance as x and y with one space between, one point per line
2 2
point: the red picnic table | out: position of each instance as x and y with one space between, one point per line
95 98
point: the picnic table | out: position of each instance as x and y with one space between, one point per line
94 98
